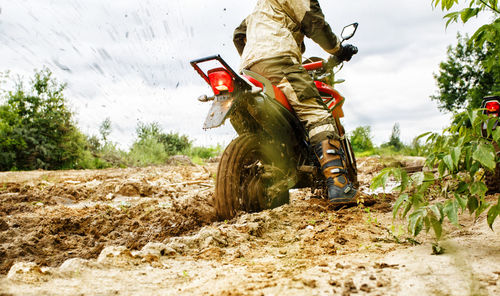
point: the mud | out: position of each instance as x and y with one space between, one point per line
152 231
49 217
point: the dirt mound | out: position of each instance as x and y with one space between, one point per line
49 221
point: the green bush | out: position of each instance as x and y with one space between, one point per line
36 127
205 152
173 142
147 151
361 139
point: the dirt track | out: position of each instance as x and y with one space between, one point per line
152 231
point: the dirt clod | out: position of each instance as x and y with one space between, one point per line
365 288
350 287
385 265
3 225
309 283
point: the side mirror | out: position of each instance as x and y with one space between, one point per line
349 31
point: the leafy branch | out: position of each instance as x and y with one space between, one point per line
461 156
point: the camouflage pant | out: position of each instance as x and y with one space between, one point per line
302 94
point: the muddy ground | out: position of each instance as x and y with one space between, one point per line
152 231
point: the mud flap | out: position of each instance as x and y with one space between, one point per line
220 110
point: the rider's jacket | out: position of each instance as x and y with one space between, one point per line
276 28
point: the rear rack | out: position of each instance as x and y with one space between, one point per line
237 79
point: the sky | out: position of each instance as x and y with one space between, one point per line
129 60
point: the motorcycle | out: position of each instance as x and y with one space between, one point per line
491 107
272 153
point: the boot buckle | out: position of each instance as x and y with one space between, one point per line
332 151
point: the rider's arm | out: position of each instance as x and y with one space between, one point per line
314 26
240 37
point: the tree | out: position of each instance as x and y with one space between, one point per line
105 129
361 139
488 34
463 80
36 127
394 140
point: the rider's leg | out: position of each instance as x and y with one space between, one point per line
305 99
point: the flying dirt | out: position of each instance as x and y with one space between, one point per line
153 231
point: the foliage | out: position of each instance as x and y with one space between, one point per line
395 140
36 127
486 35
463 79
362 144
361 139
105 129
100 152
153 146
461 155
147 151
205 152
173 142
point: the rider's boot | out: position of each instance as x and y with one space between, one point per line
331 158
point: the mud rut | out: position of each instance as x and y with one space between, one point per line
152 231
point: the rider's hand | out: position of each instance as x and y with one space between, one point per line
346 52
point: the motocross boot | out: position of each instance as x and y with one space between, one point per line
332 160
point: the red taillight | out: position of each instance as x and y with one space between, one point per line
220 80
492 107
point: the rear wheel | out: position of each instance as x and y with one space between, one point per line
244 178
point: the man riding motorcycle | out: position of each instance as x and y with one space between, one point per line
270 42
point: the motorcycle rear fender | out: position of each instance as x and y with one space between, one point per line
276 120
221 109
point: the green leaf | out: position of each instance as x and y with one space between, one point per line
404 180
422 136
492 215
462 202
472 204
482 207
474 168
437 227
468 13
455 155
415 222
437 211
418 178
485 154
402 198
406 209
491 124
449 162
472 116
462 188
381 179
496 135
478 188
451 211
441 168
